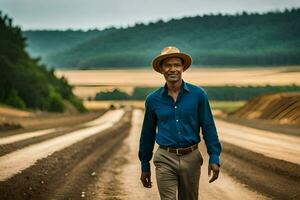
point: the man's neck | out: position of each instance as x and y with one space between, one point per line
174 87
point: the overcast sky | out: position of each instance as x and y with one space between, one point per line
88 14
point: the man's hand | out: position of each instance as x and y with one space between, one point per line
216 169
146 179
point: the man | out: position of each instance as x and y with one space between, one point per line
173 117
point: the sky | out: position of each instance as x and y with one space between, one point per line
100 14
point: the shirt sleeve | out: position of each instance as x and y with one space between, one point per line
209 131
147 138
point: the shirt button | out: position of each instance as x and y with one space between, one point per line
177 120
175 107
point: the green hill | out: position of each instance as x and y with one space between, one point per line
44 42
24 83
246 39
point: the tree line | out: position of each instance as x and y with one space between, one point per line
24 82
244 39
216 93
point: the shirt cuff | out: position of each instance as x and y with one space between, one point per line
145 166
214 159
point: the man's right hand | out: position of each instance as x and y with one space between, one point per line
146 179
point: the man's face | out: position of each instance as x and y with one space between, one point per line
172 69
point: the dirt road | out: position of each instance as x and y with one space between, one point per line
126 172
274 145
98 160
13 163
38 169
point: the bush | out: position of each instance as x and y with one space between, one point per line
56 104
113 95
78 104
14 100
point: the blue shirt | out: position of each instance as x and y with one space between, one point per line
177 124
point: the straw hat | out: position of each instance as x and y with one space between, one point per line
169 52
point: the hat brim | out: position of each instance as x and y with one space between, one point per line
187 60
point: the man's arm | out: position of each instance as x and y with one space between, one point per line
147 140
210 136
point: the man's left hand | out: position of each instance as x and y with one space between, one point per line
216 169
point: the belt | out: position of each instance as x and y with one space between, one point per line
181 151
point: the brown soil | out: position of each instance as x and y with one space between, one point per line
277 179
7 148
122 180
64 174
281 108
274 178
68 173
49 120
267 125
10 111
6 126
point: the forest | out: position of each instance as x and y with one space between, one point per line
243 39
24 82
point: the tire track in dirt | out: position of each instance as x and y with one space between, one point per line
15 162
46 121
122 180
275 178
8 148
16 141
274 145
13 140
60 175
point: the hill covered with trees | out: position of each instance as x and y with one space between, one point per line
244 39
24 83
44 42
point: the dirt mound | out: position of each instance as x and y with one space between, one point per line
282 108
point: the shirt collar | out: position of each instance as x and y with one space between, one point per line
164 90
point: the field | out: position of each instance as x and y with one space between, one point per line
69 156
89 82
224 106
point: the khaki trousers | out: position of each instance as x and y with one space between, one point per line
177 175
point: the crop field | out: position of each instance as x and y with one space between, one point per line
89 82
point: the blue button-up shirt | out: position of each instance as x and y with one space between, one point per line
177 124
